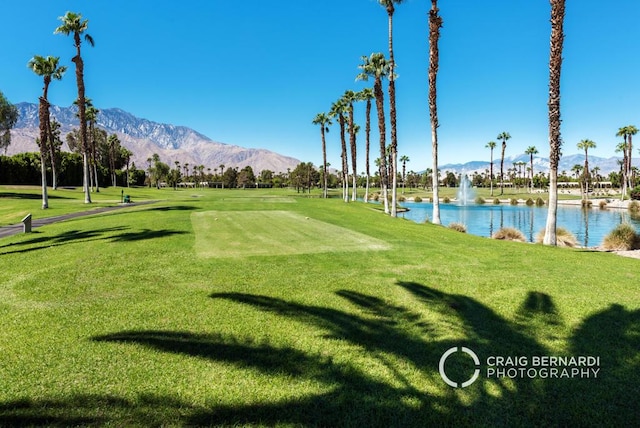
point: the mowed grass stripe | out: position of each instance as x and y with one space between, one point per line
255 233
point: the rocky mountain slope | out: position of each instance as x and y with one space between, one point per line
144 138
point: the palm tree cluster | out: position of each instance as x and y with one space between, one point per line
377 68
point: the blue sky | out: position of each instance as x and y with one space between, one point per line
255 73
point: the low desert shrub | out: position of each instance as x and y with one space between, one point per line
375 197
417 199
479 200
602 205
509 234
634 207
529 202
586 203
564 238
446 200
459 227
513 201
401 198
539 202
635 193
623 238
496 201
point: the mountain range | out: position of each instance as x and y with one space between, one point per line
540 164
144 138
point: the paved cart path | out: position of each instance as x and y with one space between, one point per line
14 229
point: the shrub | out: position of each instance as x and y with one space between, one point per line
513 201
635 193
624 237
401 198
446 200
375 197
564 238
509 234
529 202
431 199
634 207
417 199
459 227
586 203
496 201
602 205
479 200
539 202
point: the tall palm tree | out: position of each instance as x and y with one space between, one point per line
367 95
72 23
585 145
338 110
126 155
48 69
324 121
555 140
531 150
221 166
627 133
376 66
350 97
491 145
91 115
503 136
404 159
435 23
389 5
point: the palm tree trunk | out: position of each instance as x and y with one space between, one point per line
345 165
379 95
555 67
324 162
352 145
82 116
367 132
43 112
435 23
392 119
491 173
504 146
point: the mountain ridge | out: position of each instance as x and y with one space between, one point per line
145 137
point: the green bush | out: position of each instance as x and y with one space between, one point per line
634 207
602 205
459 227
446 200
586 203
513 201
479 200
529 202
496 201
401 198
564 238
539 202
635 193
623 238
417 199
509 234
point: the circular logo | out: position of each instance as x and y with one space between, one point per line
446 355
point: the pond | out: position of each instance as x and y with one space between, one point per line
589 225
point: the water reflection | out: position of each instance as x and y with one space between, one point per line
589 225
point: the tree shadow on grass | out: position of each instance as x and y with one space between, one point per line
15 195
400 339
75 236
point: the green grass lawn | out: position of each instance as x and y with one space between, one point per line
266 307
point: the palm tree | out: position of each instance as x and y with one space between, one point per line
627 132
338 109
531 150
376 66
503 136
91 115
389 5
404 159
435 23
49 69
586 145
324 121
491 145
367 95
221 166
555 140
72 23
350 97
126 155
